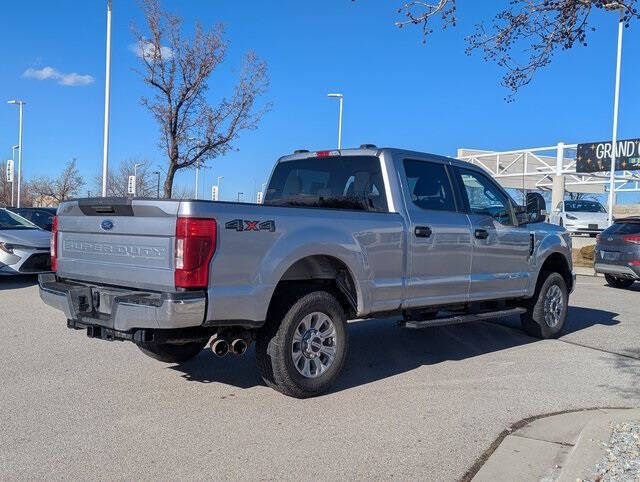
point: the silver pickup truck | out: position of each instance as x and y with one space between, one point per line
354 233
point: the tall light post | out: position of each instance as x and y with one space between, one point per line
107 94
240 194
13 158
135 178
616 101
19 103
198 164
218 186
340 97
157 173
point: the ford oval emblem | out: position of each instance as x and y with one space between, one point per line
107 224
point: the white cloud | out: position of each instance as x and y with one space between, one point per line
147 49
72 79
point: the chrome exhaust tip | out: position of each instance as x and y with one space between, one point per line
238 346
220 347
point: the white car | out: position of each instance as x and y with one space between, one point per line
24 247
581 216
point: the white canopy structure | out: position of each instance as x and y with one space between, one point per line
547 168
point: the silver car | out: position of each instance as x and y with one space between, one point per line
580 216
24 247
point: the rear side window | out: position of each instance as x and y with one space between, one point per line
341 182
429 185
623 228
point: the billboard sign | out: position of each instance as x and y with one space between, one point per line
596 156
9 170
131 187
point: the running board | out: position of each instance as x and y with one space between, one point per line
455 320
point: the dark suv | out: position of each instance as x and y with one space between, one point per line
41 217
617 252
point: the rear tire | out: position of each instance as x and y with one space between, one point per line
547 310
301 350
618 282
170 353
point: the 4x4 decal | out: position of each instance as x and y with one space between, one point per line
247 225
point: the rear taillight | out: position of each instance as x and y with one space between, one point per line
195 245
631 238
54 244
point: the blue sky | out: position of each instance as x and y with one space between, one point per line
398 92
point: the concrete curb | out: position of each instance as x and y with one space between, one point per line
582 271
561 446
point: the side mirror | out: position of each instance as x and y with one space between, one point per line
536 208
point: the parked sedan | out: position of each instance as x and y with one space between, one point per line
24 247
41 217
588 217
617 252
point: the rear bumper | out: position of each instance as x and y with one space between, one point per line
618 270
123 310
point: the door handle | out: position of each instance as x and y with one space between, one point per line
422 231
481 233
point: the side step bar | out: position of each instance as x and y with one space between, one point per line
455 320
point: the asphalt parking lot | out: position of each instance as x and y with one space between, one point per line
410 404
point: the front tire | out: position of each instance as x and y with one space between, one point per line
547 310
618 282
170 353
301 353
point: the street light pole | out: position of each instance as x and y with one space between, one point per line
158 186
19 103
13 158
107 93
340 97
614 137
197 174
135 179
218 186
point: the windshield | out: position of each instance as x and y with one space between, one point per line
341 182
9 220
583 207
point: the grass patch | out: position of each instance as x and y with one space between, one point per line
584 256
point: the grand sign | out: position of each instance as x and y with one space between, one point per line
596 156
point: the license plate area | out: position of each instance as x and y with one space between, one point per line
609 255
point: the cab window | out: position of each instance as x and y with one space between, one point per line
484 197
429 185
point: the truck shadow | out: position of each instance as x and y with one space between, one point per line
578 318
379 349
18 281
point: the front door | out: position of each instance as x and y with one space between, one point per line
500 264
439 236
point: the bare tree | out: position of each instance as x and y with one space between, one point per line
178 70
182 192
537 27
46 190
118 180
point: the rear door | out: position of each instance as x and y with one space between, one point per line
119 242
439 235
501 250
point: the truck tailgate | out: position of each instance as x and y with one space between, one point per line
119 242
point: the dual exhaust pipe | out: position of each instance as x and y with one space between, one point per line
220 347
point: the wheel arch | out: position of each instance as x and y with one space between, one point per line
318 271
556 262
